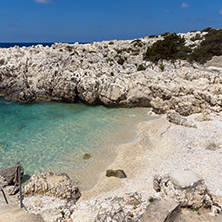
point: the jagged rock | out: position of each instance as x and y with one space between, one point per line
90 73
54 185
188 188
50 208
211 145
115 173
121 209
10 176
27 96
161 210
203 117
179 120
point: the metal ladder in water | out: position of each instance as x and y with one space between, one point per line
20 187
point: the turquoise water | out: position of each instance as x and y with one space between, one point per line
50 136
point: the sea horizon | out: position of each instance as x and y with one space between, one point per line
28 44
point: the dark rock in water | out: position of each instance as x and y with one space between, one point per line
54 185
10 176
86 156
116 173
27 96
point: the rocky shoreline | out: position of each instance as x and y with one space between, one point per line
110 73
163 147
187 136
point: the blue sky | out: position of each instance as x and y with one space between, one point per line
97 20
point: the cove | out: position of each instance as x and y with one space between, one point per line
51 136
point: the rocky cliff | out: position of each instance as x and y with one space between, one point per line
111 73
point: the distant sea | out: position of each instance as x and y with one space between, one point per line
27 44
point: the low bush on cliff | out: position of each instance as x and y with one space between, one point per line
171 48
121 60
141 68
137 43
209 47
165 34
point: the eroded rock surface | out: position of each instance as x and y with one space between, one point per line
93 74
54 185
189 189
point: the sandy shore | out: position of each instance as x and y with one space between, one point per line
161 148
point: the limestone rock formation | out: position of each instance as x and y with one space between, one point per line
189 189
93 74
127 208
179 120
54 185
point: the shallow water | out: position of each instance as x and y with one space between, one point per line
50 136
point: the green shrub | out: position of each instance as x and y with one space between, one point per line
162 66
171 48
121 60
135 52
165 34
196 37
74 53
141 68
137 42
153 36
111 43
109 60
69 48
119 51
92 51
151 199
208 29
209 47
123 50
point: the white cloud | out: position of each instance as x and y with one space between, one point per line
220 11
184 5
167 11
43 1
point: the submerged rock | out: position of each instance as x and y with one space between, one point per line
86 156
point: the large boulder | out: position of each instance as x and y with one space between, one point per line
54 185
179 120
10 176
115 173
187 188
